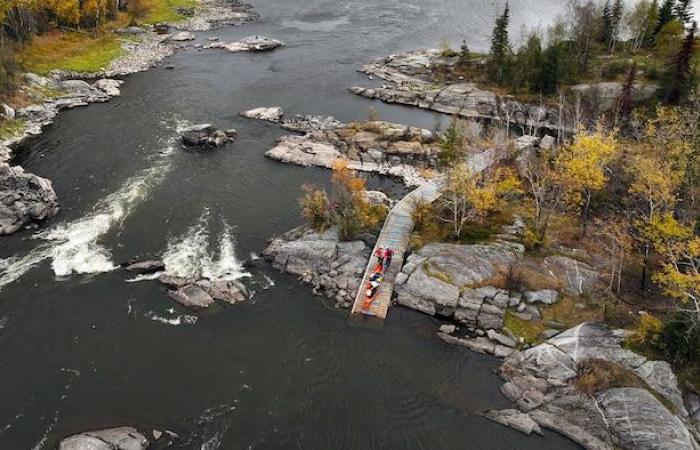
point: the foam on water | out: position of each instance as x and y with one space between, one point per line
189 256
74 247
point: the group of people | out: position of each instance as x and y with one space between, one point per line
384 257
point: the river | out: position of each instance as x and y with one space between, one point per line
81 348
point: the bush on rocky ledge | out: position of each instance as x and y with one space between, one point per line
347 207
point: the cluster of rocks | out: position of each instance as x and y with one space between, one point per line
321 260
451 281
300 123
248 44
205 135
541 381
196 294
380 147
412 78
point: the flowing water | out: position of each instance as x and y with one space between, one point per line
85 346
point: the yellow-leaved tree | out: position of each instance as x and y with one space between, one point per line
468 196
581 168
679 275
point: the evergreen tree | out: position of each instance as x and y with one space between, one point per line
683 11
607 23
500 46
550 72
681 80
626 99
665 15
464 52
652 22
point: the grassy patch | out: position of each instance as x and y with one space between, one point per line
10 128
159 11
529 330
77 52
595 375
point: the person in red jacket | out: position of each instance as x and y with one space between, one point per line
380 253
388 255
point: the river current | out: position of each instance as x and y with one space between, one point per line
85 346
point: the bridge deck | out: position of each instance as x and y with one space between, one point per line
395 235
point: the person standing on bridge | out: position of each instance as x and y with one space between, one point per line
380 253
388 254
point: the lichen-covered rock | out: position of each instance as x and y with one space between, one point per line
577 277
541 382
321 260
122 438
24 198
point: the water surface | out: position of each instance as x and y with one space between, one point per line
81 348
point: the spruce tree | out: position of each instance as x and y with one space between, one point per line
665 15
683 11
626 99
607 23
500 45
681 79
652 21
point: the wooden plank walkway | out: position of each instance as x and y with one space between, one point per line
395 235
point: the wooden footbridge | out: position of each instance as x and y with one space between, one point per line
395 235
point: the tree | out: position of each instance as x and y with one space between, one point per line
528 63
652 23
617 13
680 271
681 80
464 53
500 46
607 21
683 11
451 144
625 101
613 234
581 168
469 196
316 208
638 24
665 15
545 189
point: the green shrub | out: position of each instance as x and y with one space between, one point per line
315 208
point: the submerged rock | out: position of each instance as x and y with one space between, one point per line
270 114
205 135
249 44
123 438
144 267
24 198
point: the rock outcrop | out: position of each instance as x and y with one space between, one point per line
321 260
413 80
123 438
24 199
269 114
249 44
309 123
629 415
379 147
205 135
